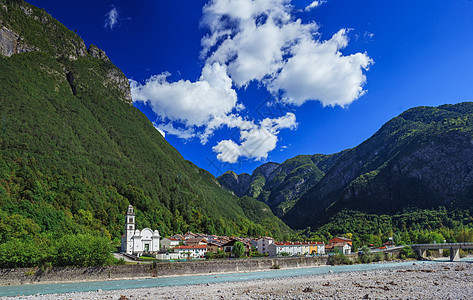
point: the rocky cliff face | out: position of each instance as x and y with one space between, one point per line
11 43
280 185
17 18
238 184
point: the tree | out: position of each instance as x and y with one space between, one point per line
366 257
238 249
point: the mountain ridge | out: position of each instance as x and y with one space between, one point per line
420 159
74 153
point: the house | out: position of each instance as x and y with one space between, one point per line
136 241
196 241
262 244
340 239
316 248
305 248
195 251
296 248
281 248
329 248
169 243
214 246
228 246
344 248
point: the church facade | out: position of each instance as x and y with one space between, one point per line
136 241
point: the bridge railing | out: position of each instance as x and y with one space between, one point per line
441 244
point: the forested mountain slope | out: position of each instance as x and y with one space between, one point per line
74 153
280 185
413 178
421 159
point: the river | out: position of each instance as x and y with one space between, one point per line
59 288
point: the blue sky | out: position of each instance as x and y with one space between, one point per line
279 80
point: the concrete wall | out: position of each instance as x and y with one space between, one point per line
69 274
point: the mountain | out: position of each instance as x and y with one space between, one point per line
280 185
422 159
74 152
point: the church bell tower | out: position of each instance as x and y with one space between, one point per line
129 229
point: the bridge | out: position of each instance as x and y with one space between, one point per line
453 247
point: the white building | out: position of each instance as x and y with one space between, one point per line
169 243
344 248
195 251
320 248
263 243
135 241
291 248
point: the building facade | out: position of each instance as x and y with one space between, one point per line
136 241
262 244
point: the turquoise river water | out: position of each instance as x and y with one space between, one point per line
59 288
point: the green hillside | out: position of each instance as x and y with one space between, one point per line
422 159
74 153
413 179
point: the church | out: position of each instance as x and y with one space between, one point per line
138 242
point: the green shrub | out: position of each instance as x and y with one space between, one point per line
366 256
407 252
378 256
83 250
339 259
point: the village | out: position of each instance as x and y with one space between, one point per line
148 243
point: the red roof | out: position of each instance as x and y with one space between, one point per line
192 247
297 243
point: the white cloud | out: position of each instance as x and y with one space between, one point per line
256 141
260 41
191 103
160 130
254 41
183 133
314 4
111 19
318 71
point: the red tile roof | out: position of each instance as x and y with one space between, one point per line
192 247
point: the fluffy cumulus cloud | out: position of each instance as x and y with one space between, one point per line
318 71
254 41
190 103
111 18
260 41
256 140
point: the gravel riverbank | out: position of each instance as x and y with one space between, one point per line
449 280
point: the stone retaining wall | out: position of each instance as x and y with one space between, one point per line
71 274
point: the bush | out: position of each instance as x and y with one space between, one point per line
378 256
339 259
366 257
407 252
83 250
19 254
446 253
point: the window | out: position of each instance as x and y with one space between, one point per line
130 227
